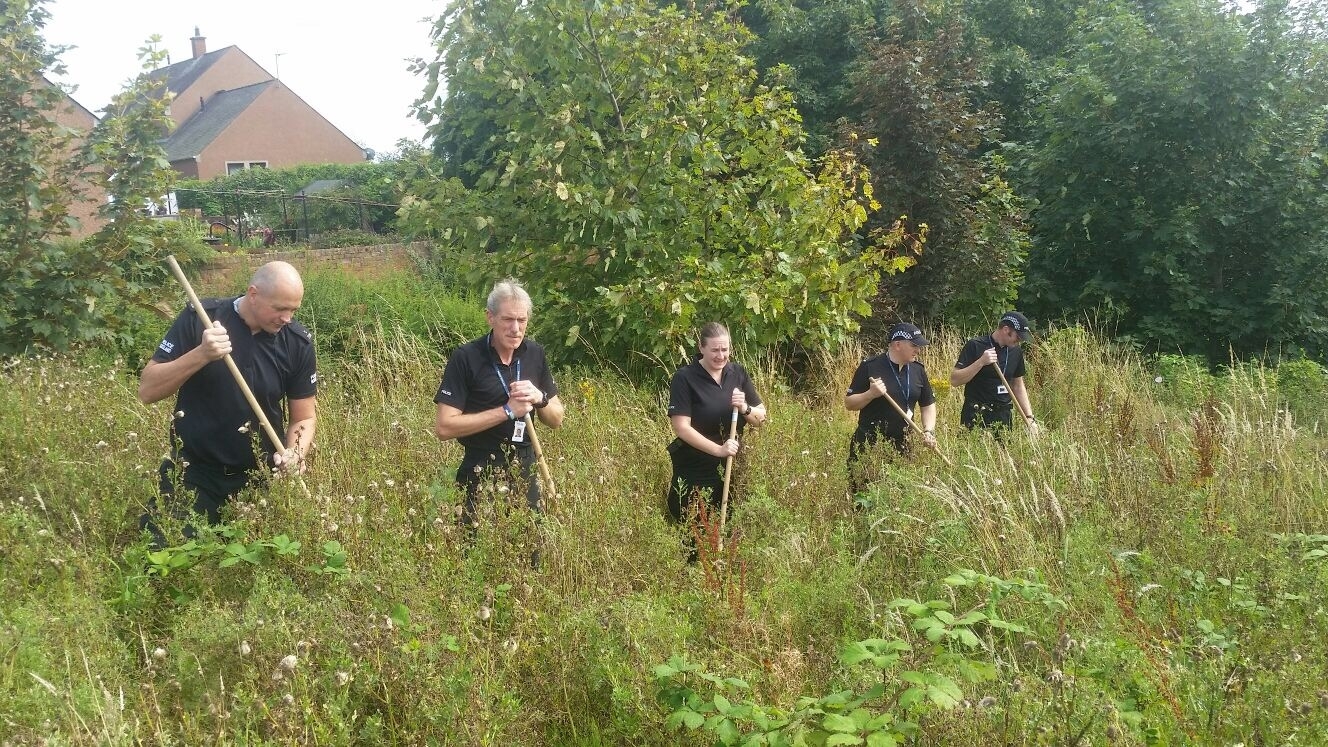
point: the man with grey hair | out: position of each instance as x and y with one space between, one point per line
489 387
213 431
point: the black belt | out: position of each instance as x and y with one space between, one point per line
990 406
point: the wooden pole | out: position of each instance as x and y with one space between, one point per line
1018 405
910 421
728 472
539 458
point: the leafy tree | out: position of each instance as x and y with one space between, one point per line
1179 166
819 42
36 183
641 179
1019 40
58 292
919 91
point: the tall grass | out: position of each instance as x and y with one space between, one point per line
1179 524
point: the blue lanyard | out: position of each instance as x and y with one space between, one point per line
998 356
501 380
905 386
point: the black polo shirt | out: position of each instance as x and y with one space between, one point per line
476 380
693 392
907 385
983 387
276 367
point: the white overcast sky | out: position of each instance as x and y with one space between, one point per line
347 60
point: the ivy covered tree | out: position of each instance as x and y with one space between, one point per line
641 180
1179 165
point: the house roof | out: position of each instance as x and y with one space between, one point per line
181 75
201 129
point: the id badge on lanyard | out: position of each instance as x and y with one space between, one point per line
519 426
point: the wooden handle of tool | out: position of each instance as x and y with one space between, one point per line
539 456
913 423
728 471
1018 405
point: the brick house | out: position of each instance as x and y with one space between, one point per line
231 114
81 121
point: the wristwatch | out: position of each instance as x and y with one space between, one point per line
748 411
543 402
510 415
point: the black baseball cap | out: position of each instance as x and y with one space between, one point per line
1018 322
906 331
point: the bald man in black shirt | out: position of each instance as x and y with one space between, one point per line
213 452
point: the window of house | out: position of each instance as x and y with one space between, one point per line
234 166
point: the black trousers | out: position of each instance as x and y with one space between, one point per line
212 485
860 474
985 415
694 474
483 471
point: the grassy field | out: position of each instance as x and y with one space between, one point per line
1149 571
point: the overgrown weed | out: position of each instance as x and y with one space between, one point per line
1179 521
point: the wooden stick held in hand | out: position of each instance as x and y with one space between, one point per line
910 421
539 459
1006 383
728 472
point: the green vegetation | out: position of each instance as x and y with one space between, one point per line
56 292
365 200
627 161
1148 572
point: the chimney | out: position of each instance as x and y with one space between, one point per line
199 43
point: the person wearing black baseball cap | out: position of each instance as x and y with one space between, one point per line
898 375
991 370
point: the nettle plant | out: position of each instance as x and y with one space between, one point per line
885 712
220 544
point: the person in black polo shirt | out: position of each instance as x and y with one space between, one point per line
896 374
702 396
987 403
489 386
213 452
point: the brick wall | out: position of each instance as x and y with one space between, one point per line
229 273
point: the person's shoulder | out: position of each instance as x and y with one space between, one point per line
298 332
469 353
214 307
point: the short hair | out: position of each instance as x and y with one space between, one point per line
710 331
269 276
507 289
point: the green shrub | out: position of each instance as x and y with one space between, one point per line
1183 380
342 310
348 237
1302 387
